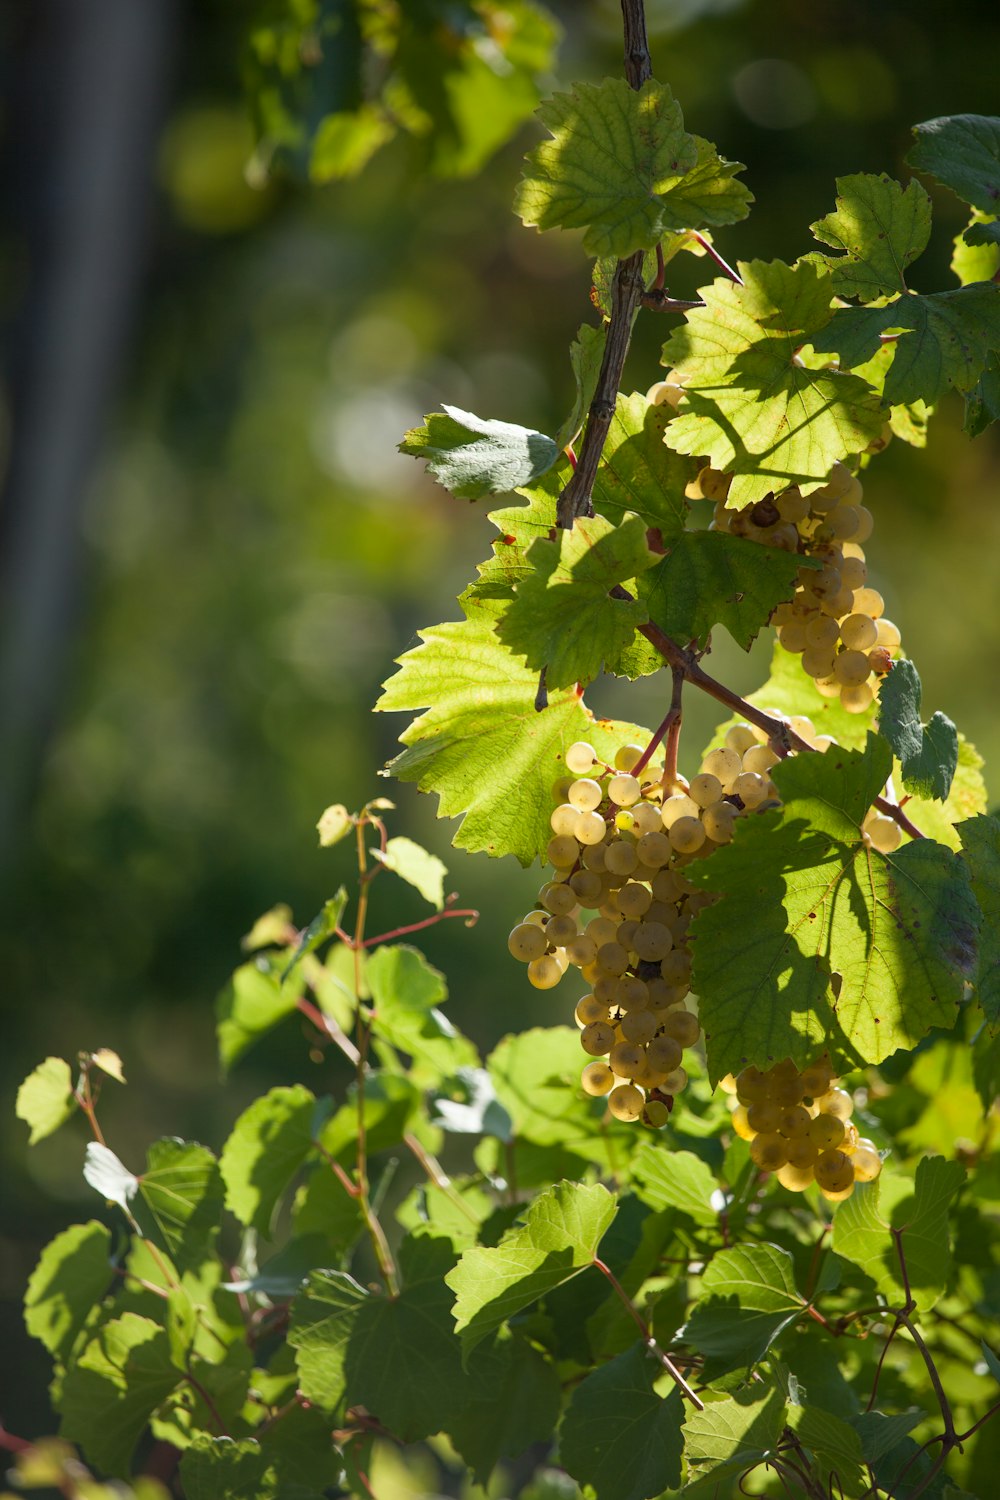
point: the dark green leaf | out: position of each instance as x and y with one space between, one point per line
113 1388
586 354
618 1436
981 852
512 1400
963 153
323 1316
322 926
928 752
709 578
748 1296
217 1468
639 473
881 1432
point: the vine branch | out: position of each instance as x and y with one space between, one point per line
647 1336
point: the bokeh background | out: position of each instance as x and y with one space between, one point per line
212 552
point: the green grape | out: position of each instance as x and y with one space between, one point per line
866 1161
624 790
675 1082
602 930
581 951
585 794
821 631
624 1057
639 1026
597 1078
836 1102
626 1102
587 886
794 1122
751 788
678 806
646 818
613 958
687 835
604 986
854 573
724 764
627 757
751 1085
759 758
626 932
560 931
581 758
826 1132
718 821
544 973
705 789
818 661
682 1026
563 819
888 635
858 632
634 899
656 1113
562 851
652 941
664 1053
869 602
769 1150
590 1009
801 1151
558 898
857 699
763 1115
594 857
597 1038
620 857
631 993
741 1124
675 969
816 1079
654 848
589 828
834 1172
885 834
527 942
795 1178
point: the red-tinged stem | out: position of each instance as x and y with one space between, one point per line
12 1444
197 1386
894 811
670 719
440 916
661 271
437 1175
328 1024
570 453
647 1337
349 1187
722 264
85 1098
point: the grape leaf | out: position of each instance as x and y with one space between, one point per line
563 617
390 1103
512 1400
982 403
976 254
323 925
749 406
586 355
519 526
918 1212
110 1392
406 992
559 1236
881 227
639 473
252 1003
108 1175
615 153
734 1433
675 1179
709 578
928 752
180 1200
748 1296
805 899
219 1468
618 1436
708 196
945 340
880 1433
70 1279
266 1147
473 457
424 871
963 153
835 1446
45 1099
535 1074
981 852
483 736
322 1318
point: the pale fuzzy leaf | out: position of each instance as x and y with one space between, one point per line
473 457
45 1099
335 824
424 871
108 1176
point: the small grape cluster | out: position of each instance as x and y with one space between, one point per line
619 849
835 622
798 1123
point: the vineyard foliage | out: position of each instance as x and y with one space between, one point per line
643 1284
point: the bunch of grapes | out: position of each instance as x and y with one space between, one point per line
835 622
798 1123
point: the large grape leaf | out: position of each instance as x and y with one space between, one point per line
614 153
945 340
407 992
519 526
981 852
748 1296
963 153
473 456
918 1211
252 1002
675 1179
110 1392
322 1319
928 752
267 1145
70 1279
558 1238
709 578
733 1434
881 227
749 406
819 940
219 1468
976 254
639 473
482 745
511 1399
180 1200
618 1436
564 617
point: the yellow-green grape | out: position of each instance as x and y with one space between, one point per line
826 1132
724 764
793 637
628 756
563 819
718 821
759 758
625 1057
648 1077
558 898
604 985
656 1113
652 941
751 788
816 1079
764 1115
678 806
624 822
646 817
639 1026
687 835
740 737
597 1038
834 1172
751 1085
865 525
676 967
859 632
560 788
620 857
654 848
663 912
562 851
795 1179
675 1082
561 930
741 1124
664 1054
851 668
682 1026
854 573
626 1102
624 790
631 993
634 900
544 973
589 828
589 1010
727 1083
581 951
705 789
885 833
581 758
869 602
601 930
597 1078
822 631
527 942
794 1121
613 958
801 1151
836 1102
866 1161
769 1150
585 794
857 698
785 1089
587 885
888 635
626 932
593 857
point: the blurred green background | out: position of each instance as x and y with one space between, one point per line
247 552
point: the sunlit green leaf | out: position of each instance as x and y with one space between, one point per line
918 1212
928 752
45 1099
880 227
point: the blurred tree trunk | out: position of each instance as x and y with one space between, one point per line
86 86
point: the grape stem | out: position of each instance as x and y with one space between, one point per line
647 1336
671 722
709 249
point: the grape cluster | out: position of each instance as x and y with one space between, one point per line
835 622
798 1123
